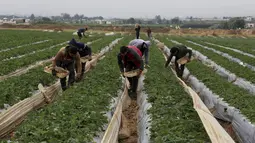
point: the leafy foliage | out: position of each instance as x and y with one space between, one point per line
232 94
78 114
233 67
173 116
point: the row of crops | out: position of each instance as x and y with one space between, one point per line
235 96
30 54
79 114
20 87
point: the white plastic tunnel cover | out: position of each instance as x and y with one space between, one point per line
143 118
243 128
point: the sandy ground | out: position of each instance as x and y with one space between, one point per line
131 115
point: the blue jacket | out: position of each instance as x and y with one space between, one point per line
83 49
82 30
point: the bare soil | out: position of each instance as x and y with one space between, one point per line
131 115
130 29
229 129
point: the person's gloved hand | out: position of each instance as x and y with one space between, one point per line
54 72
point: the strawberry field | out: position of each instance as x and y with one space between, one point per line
83 112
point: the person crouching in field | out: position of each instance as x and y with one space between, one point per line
130 58
143 46
179 51
81 32
65 58
84 51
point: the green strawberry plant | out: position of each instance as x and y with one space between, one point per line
173 118
233 67
77 115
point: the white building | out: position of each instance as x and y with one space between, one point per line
250 25
248 18
108 22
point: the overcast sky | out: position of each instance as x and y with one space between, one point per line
130 8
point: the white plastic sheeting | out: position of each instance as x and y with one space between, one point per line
114 101
109 34
231 77
111 45
213 128
75 33
244 129
31 53
241 125
89 43
232 49
34 43
143 119
109 115
233 59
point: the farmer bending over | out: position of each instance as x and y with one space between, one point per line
81 32
143 46
84 51
179 51
130 58
65 58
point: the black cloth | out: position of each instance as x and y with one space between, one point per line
68 65
132 80
79 34
181 52
82 30
84 51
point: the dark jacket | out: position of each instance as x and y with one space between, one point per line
181 52
83 49
137 29
82 30
134 56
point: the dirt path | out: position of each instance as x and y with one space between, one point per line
131 115
229 129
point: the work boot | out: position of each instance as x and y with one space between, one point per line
64 88
70 84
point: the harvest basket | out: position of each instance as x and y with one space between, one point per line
184 60
61 73
87 58
134 73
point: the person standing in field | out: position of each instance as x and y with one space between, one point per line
179 51
137 30
65 58
130 58
143 46
81 32
84 51
149 33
